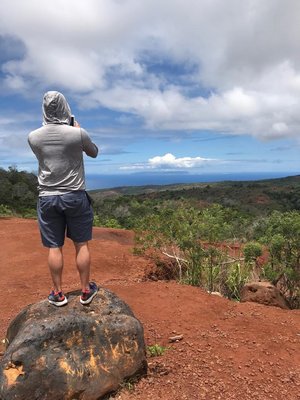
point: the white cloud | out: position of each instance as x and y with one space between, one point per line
246 76
280 127
169 161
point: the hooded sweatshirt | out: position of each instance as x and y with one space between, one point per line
59 148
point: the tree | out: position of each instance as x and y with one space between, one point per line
18 190
282 236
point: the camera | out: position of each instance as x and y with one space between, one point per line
72 120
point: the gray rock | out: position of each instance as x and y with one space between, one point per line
263 293
72 352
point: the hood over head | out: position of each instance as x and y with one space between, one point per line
56 110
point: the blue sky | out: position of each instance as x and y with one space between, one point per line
174 88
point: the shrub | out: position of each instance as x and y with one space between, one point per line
156 350
5 211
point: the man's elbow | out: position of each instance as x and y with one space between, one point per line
94 153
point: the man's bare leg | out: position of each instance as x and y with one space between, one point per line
83 263
56 264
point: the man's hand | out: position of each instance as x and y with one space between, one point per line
76 124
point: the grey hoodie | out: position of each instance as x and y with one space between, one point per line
56 110
59 148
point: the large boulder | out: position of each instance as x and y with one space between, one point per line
72 352
263 293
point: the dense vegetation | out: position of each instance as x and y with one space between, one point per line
18 192
219 249
216 236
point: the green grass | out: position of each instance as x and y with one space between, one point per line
156 350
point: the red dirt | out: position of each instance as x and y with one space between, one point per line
229 350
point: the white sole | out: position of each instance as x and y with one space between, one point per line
62 303
84 302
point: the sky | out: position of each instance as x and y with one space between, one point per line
172 89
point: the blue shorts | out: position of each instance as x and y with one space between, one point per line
68 214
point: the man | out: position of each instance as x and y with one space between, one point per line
63 204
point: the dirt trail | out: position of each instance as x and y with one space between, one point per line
228 351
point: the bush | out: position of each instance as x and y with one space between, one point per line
5 211
190 238
282 237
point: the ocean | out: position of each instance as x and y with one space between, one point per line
140 179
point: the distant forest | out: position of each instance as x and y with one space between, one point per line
121 206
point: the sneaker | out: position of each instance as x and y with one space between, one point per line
88 295
57 298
